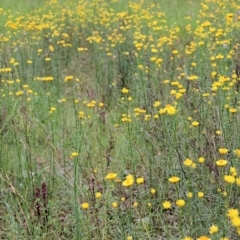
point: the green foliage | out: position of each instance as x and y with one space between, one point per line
119 120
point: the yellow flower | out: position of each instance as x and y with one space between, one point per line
74 154
170 109
189 194
125 91
221 163
180 203
203 238
153 191
174 179
68 78
229 179
188 162
85 205
235 221
135 204
237 152
223 151
140 180
213 229
232 213
129 181
156 104
187 238
98 194
114 204
166 205
111 176
129 238
195 124
238 181
201 160
200 194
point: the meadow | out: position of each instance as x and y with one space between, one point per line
120 120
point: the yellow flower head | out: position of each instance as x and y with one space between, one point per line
174 179
140 180
166 205
85 205
128 181
213 229
125 91
221 163
180 203
111 176
223 151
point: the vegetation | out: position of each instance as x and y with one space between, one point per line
120 119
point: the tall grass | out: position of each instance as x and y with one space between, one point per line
119 120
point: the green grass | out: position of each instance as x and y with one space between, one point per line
102 103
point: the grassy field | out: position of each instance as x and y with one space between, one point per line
120 120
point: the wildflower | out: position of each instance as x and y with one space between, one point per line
74 154
111 176
68 78
170 109
218 132
98 194
238 181
188 162
140 180
166 205
221 163
213 229
233 171
156 104
201 160
180 203
200 194
195 124
135 204
51 48
125 91
223 151
174 179
232 213
129 238
187 238
114 204
153 191
85 205
129 181
229 179
203 238
101 104
189 195
235 221
237 152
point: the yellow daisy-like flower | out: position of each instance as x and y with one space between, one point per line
213 229
85 205
195 124
200 194
125 91
111 176
221 163
140 180
98 194
174 179
129 181
229 179
223 151
180 203
166 205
